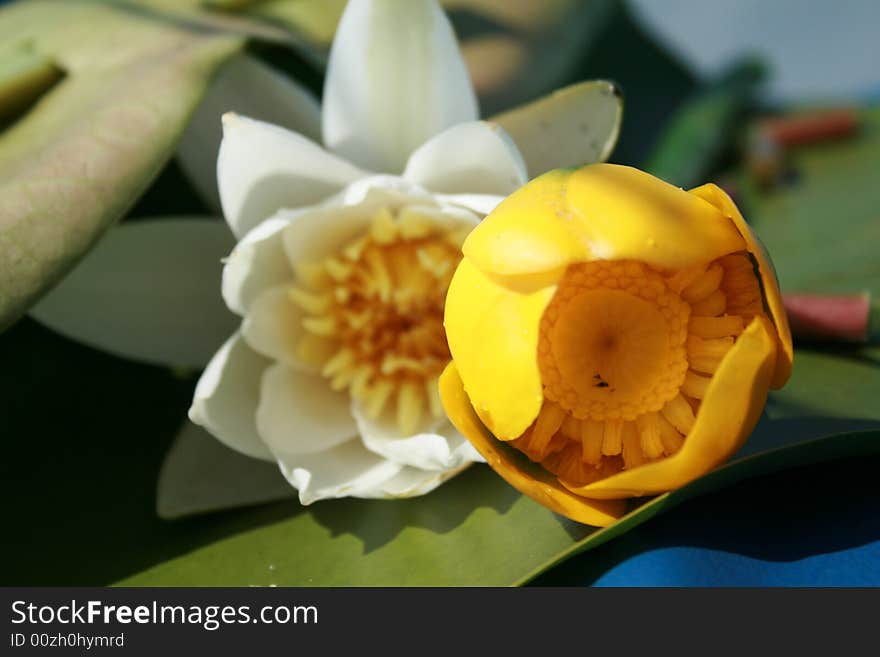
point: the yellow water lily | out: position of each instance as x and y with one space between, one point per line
612 336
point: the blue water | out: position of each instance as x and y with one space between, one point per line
815 526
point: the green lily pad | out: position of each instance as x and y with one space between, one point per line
821 223
86 149
478 531
200 474
821 227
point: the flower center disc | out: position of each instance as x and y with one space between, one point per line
626 354
613 342
620 338
374 313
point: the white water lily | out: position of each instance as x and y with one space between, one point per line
345 252
333 373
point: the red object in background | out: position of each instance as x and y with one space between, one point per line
800 129
840 317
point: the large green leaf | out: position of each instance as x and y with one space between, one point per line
822 229
821 224
86 149
200 474
476 532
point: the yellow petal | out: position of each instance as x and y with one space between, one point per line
527 477
769 281
727 416
493 337
528 232
600 211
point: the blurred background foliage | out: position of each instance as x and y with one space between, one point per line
85 433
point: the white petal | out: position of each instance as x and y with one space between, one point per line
200 475
263 168
319 233
148 291
257 263
383 189
226 397
298 413
573 126
395 78
409 482
476 158
480 204
273 327
446 215
436 446
246 86
347 470
469 454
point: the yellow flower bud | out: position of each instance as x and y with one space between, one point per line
612 336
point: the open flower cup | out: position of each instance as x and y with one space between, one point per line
612 336
344 251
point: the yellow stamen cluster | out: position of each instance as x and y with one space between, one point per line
608 325
626 353
374 313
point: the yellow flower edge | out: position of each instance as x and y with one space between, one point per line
528 478
713 194
497 357
599 212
